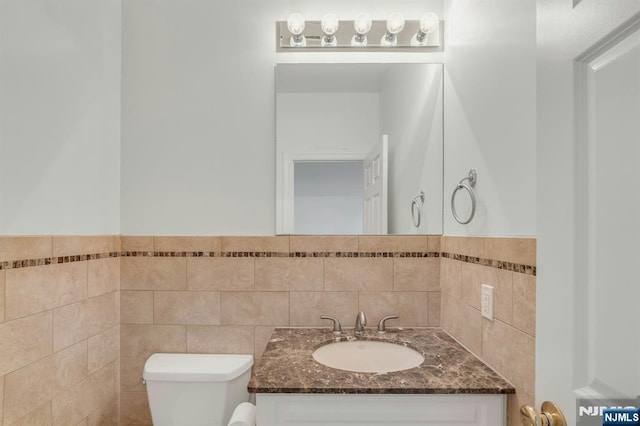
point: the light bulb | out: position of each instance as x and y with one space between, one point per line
395 24
429 22
362 25
329 25
296 24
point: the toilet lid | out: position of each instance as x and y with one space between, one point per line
196 367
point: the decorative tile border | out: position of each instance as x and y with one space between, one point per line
15 264
499 264
514 267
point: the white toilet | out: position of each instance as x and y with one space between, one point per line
196 389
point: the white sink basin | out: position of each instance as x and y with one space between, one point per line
367 356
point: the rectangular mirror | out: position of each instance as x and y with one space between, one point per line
359 149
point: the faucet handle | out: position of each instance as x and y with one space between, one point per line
381 324
337 329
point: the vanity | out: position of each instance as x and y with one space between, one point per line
451 386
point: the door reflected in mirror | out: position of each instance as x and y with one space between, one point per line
331 120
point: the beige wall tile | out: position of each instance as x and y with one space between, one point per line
69 325
524 303
103 349
220 273
434 308
511 352
358 274
41 416
153 273
29 387
435 243
222 339
411 307
141 341
76 322
288 273
298 243
514 402
468 246
136 243
22 248
131 370
2 274
473 276
96 391
1 399
24 341
279 244
106 415
136 307
393 243
102 313
451 277
134 409
103 276
463 322
516 250
31 290
416 274
186 307
254 308
82 244
262 337
186 244
306 308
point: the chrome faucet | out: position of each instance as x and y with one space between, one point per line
361 321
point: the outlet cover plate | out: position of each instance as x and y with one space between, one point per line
486 301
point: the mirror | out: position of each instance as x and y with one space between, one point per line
357 145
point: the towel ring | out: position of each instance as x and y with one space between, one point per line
416 209
471 178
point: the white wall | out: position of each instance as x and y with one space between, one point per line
198 143
327 122
490 113
411 114
60 117
328 198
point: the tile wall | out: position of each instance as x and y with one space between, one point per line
79 315
59 330
226 294
507 343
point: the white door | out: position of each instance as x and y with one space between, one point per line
588 284
375 189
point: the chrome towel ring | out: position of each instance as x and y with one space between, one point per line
416 209
471 178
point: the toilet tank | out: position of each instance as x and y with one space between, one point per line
196 389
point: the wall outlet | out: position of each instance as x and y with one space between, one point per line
486 302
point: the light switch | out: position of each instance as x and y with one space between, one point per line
486 302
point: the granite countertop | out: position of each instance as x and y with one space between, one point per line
288 367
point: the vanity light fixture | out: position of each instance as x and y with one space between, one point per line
362 25
395 24
362 33
329 25
296 25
